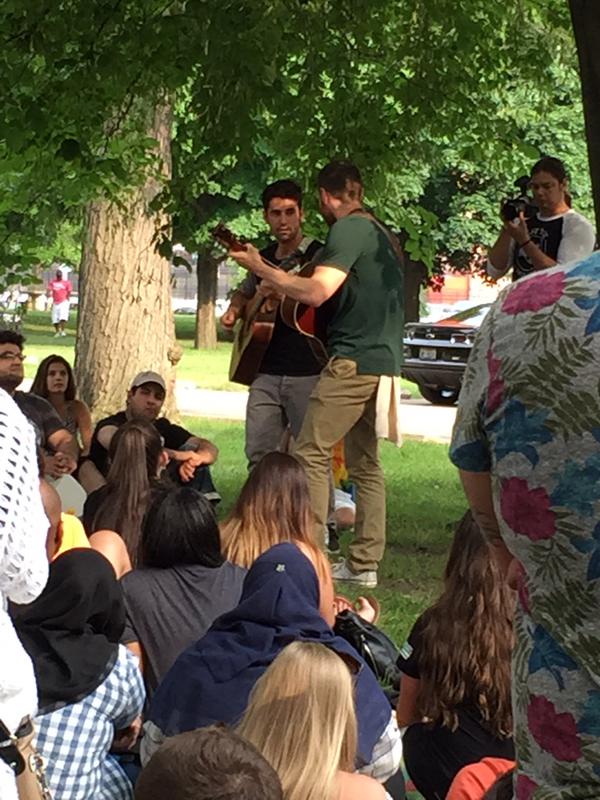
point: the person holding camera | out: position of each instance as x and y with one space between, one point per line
540 234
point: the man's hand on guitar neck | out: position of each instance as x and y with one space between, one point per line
235 310
229 318
251 259
312 291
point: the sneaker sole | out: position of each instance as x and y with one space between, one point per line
367 584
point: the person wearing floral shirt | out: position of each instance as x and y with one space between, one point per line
527 444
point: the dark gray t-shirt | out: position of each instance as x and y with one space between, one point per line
170 609
41 414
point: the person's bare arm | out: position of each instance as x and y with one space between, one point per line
203 446
66 453
520 234
106 434
499 255
406 710
136 649
84 424
478 489
112 547
313 291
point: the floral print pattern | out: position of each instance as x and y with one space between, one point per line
529 414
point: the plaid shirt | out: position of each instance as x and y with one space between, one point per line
74 740
387 754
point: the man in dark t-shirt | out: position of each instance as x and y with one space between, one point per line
190 455
289 369
361 265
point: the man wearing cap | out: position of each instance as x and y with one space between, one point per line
187 452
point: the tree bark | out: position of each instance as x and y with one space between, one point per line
125 321
585 15
206 328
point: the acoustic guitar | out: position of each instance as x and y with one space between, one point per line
256 329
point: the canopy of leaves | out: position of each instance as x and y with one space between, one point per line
419 94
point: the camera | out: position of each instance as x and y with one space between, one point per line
514 206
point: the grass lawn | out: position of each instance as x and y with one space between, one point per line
208 369
424 499
424 495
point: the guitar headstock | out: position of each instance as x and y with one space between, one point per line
227 238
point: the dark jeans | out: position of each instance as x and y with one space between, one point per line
202 481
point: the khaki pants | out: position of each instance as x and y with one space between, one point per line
342 406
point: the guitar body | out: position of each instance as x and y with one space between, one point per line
309 321
252 338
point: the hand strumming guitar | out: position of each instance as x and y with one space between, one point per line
269 292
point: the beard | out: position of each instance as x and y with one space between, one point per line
327 215
10 382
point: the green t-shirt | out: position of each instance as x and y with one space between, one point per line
367 325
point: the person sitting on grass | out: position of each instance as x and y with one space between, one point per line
206 764
54 382
190 456
90 688
455 692
309 688
58 444
182 584
136 460
23 571
211 681
273 507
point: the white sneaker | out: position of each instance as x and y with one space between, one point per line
56 335
342 572
64 333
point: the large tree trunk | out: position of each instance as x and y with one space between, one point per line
585 15
125 322
206 328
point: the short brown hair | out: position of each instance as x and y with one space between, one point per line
341 178
208 764
285 190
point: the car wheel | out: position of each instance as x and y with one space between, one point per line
439 397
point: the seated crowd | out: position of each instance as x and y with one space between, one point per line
205 655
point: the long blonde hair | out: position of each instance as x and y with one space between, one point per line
273 507
301 718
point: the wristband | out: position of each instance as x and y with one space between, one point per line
525 244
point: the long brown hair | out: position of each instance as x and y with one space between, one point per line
134 453
40 382
465 654
273 507
301 717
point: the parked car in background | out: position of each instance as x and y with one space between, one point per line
436 353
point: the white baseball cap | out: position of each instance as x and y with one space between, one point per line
148 377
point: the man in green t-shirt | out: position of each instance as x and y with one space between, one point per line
360 264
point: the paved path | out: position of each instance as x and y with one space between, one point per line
418 418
